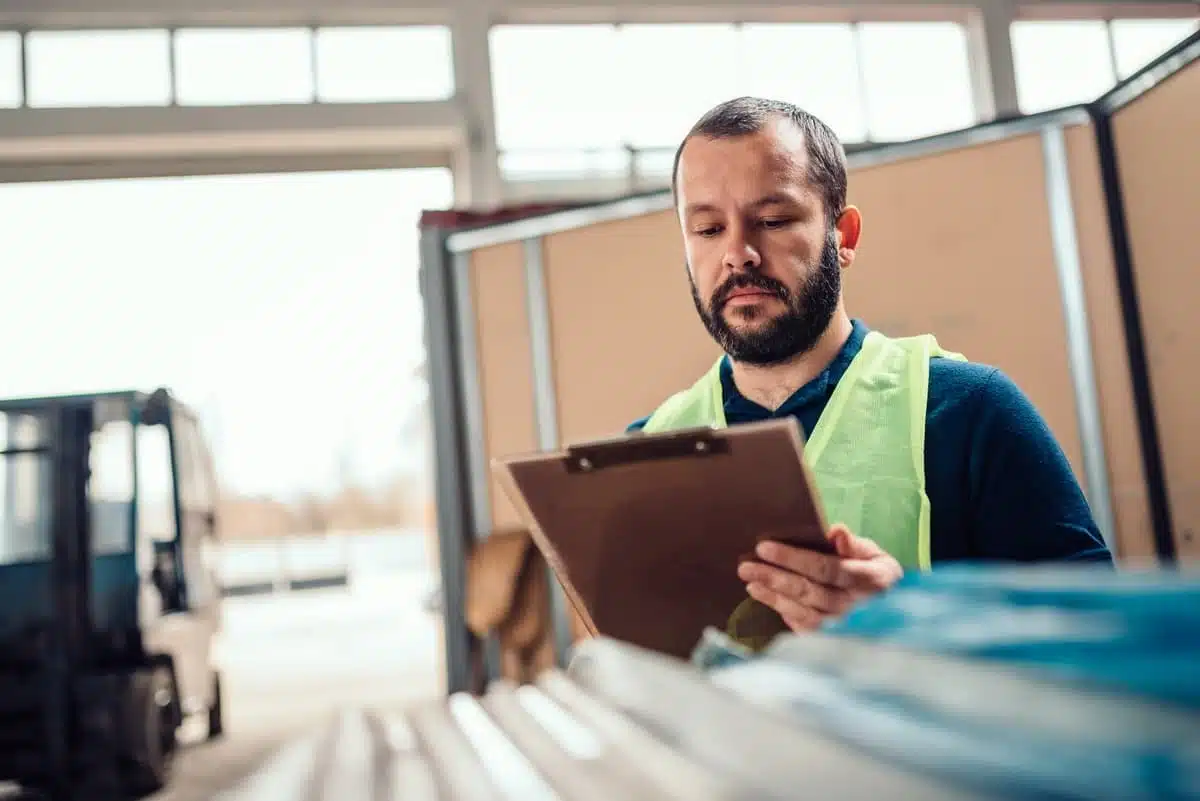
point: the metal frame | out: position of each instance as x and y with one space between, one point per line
1079 344
1102 112
545 400
451 470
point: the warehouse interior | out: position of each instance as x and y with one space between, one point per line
372 248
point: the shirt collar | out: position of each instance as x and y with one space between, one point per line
820 387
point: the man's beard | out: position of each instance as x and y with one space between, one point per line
808 312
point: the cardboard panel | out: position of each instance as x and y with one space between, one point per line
1127 479
958 245
505 362
625 332
1156 140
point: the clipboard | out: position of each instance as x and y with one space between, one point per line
645 532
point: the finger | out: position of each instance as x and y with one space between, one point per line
798 617
799 589
805 624
850 546
821 568
868 575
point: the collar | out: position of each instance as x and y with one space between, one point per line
820 387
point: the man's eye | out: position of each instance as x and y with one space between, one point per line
711 230
776 223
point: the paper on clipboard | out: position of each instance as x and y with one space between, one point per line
645 532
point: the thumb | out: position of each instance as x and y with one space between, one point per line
849 546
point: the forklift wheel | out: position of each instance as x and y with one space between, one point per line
216 723
150 731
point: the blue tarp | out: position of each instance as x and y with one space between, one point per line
1134 631
1023 683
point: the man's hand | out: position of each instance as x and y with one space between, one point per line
806 587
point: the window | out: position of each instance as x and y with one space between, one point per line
534 164
384 64
658 79
155 490
813 66
231 67
10 69
110 487
549 93
1060 63
916 78
1137 42
25 491
98 68
669 75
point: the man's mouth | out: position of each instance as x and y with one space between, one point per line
749 295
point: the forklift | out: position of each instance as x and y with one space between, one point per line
109 602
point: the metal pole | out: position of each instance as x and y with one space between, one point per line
545 400
450 463
1075 315
478 482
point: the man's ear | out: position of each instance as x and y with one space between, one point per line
849 229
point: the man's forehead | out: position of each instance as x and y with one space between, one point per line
770 158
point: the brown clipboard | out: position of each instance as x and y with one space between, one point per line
645 532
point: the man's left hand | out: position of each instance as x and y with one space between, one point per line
806 587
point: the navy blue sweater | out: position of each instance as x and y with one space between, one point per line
1000 487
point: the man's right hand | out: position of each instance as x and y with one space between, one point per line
807 588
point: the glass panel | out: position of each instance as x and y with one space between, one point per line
155 493
25 491
99 68
110 488
1137 42
1060 63
548 90
532 164
917 79
10 69
813 66
230 67
671 75
377 65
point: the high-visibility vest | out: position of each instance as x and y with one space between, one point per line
867 451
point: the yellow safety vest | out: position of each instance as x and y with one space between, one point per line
867 452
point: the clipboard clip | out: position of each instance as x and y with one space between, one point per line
629 449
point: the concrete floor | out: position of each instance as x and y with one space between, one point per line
289 661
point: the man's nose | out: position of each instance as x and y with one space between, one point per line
741 253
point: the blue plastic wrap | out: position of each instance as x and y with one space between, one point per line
1023 682
1134 631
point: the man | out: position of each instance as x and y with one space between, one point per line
760 191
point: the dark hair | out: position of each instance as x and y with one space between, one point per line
743 116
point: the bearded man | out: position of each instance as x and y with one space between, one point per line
920 456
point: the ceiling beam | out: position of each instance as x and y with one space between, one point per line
23 14
179 133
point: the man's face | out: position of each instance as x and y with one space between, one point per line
762 259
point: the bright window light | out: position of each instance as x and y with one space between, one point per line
376 65
550 91
232 67
811 65
670 75
1060 63
917 79
99 68
10 69
1137 42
